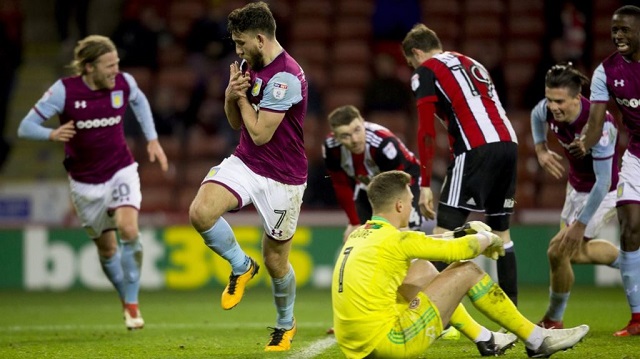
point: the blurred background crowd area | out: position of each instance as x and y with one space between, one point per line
179 52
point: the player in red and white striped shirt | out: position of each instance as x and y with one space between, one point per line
459 92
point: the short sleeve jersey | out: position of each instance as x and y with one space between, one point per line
280 86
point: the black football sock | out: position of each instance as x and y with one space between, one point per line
508 274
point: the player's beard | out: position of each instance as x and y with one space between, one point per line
256 61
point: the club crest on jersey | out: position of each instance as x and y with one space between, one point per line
117 99
90 231
255 90
212 172
415 303
279 90
620 190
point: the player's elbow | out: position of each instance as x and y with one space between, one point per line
22 130
260 140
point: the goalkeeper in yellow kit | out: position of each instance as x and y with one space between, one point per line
389 302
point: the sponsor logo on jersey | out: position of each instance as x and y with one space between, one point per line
117 99
628 102
279 90
80 104
617 83
98 122
509 203
255 90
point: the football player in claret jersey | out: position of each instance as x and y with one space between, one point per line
591 197
618 78
105 186
267 103
354 152
389 302
482 175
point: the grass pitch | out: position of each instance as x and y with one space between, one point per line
85 324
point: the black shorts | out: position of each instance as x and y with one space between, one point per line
481 180
363 207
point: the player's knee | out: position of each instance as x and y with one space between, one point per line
128 231
630 235
554 254
469 270
200 216
277 264
106 250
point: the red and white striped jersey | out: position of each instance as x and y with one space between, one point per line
465 100
459 91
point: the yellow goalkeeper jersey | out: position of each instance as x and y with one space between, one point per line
371 266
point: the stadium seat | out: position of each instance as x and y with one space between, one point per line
352 27
362 8
350 75
351 51
310 29
316 8
311 52
335 97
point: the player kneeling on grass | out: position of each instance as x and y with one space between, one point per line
384 305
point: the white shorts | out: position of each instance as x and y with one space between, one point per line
95 203
277 203
575 201
629 182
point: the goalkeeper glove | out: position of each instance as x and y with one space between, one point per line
496 246
472 227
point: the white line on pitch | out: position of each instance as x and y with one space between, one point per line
315 349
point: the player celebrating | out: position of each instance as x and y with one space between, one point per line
482 176
267 104
618 77
386 305
105 186
357 150
591 196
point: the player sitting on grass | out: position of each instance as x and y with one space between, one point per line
384 305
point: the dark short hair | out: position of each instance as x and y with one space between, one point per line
343 116
628 10
565 75
252 17
386 187
422 38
